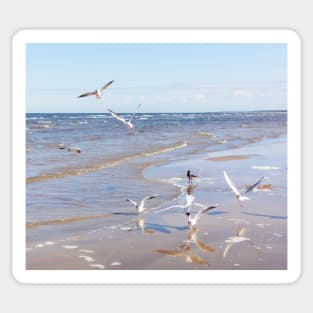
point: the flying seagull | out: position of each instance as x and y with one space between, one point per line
192 221
96 92
140 207
125 121
236 191
190 176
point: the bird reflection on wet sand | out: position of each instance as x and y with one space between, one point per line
185 249
140 223
230 241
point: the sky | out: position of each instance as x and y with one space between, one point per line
202 77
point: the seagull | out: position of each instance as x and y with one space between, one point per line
192 221
96 92
236 191
140 208
125 121
239 237
190 176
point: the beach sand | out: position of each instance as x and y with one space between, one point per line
120 239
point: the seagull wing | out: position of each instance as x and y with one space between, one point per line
142 203
203 211
254 185
134 113
231 184
132 202
89 93
171 207
117 117
106 85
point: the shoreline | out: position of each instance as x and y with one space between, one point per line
134 244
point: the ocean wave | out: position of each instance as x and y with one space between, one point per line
65 220
40 126
94 167
205 134
264 168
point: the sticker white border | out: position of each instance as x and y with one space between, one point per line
23 37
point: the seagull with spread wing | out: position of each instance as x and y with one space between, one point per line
96 92
192 221
125 121
141 206
236 191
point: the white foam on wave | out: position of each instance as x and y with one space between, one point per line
101 266
116 263
87 258
70 247
86 251
265 168
49 243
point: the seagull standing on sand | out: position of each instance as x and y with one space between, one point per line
96 92
192 221
190 176
236 191
141 206
125 121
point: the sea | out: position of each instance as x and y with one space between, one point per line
80 167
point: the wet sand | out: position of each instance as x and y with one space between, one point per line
162 240
230 157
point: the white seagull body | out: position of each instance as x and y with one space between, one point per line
141 206
96 92
128 123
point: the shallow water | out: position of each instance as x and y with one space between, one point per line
78 199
